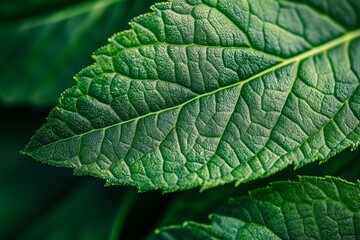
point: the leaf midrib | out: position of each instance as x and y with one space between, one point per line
347 37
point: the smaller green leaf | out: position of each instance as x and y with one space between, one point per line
314 208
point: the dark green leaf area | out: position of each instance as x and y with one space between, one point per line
314 208
41 202
194 95
10 12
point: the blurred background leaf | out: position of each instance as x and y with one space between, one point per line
45 43
88 211
9 11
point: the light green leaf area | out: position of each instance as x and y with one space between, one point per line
203 93
314 208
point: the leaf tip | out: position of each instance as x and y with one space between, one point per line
24 152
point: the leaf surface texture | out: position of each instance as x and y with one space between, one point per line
202 93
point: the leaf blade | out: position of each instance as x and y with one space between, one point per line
133 121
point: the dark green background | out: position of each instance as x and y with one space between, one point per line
42 45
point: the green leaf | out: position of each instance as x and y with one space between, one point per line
40 53
202 93
314 208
